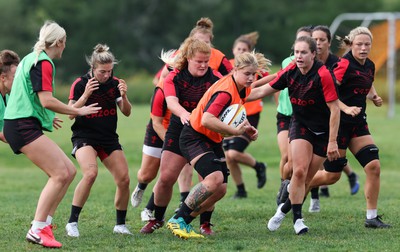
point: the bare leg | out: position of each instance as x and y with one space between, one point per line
118 166
48 156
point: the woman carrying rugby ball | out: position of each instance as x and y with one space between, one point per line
201 139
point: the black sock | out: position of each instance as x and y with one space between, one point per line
121 217
257 166
142 186
206 217
296 212
184 212
287 206
150 203
75 211
184 196
314 193
241 188
159 212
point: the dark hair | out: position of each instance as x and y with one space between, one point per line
250 39
310 41
205 26
325 29
7 59
308 28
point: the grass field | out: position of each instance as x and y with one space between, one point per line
240 225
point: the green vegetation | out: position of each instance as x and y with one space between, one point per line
240 224
136 31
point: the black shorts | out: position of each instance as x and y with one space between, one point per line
20 132
235 143
318 140
254 119
349 131
151 137
171 141
103 150
282 122
194 144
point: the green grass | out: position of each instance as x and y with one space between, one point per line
240 224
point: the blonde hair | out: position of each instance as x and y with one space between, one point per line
250 39
186 51
7 59
348 40
205 26
168 57
254 59
101 55
49 35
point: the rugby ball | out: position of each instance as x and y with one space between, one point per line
233 115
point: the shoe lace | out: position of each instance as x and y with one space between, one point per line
182 225
155 224
189 228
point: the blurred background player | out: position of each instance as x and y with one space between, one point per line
151 152
9 61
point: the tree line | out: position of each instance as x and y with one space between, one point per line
137 31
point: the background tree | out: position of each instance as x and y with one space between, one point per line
137 30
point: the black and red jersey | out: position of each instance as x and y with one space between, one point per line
309 94
331 61
356 81
101 126
187 88
159 105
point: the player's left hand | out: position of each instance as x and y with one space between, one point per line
57 123
251 132
123 88
332 151
377 100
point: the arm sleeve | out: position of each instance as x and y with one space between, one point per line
225 67
279 82
218 102
169 85
76 90
42 76
158 104
341 69
328 84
